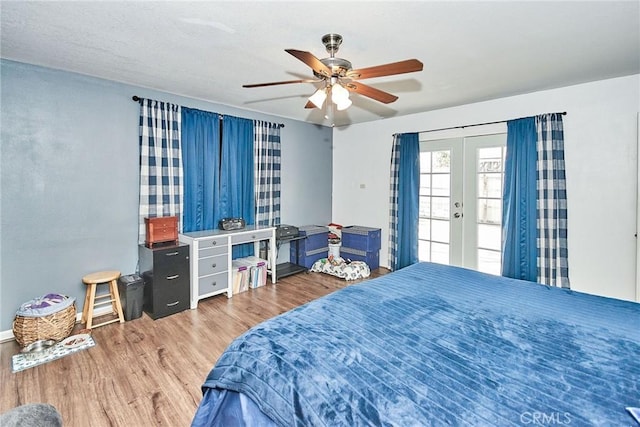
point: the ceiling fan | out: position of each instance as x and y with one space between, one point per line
339 78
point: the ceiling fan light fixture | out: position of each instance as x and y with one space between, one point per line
339 94
318 97
340 97
343 104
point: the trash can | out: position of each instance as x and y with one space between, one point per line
131 290
334 250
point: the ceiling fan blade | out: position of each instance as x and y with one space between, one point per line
408 66
371 92
311 61
283 83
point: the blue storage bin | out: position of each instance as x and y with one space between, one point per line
365 239
316 237
371 258
307 259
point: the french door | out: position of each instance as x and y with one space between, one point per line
461 181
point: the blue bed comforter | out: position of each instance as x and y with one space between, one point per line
439 345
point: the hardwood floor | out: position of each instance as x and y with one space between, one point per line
146 372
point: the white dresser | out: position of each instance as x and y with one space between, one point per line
210 258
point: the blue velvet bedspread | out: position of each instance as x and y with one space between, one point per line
438 345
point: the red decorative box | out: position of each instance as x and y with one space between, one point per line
161 229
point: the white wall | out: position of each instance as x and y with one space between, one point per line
601 165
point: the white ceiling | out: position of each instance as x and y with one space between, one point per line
472 51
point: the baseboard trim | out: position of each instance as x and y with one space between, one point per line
6 336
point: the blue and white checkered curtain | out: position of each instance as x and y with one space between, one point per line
160 162
552 202
393 202
267 172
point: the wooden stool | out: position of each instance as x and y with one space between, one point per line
92 281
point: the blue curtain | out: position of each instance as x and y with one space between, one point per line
237 198
519 212
201 160
404 201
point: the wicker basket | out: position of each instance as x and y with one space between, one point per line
56 326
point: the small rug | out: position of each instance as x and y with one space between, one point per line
20 361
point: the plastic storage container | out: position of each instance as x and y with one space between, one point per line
306 259
249 272
316 237
258 271
365 239
241 275
372 259
131 290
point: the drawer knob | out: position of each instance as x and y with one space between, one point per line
175 276
214 243
214 265
171 253
171 304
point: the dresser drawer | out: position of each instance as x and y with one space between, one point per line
212 265
171 264
251 237
167 300
165 296
214 283
169 281
213 242
212 251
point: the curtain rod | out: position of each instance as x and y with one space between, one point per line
564 113
138 99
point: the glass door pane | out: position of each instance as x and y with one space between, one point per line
483 202
438 164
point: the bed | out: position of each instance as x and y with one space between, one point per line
433 345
